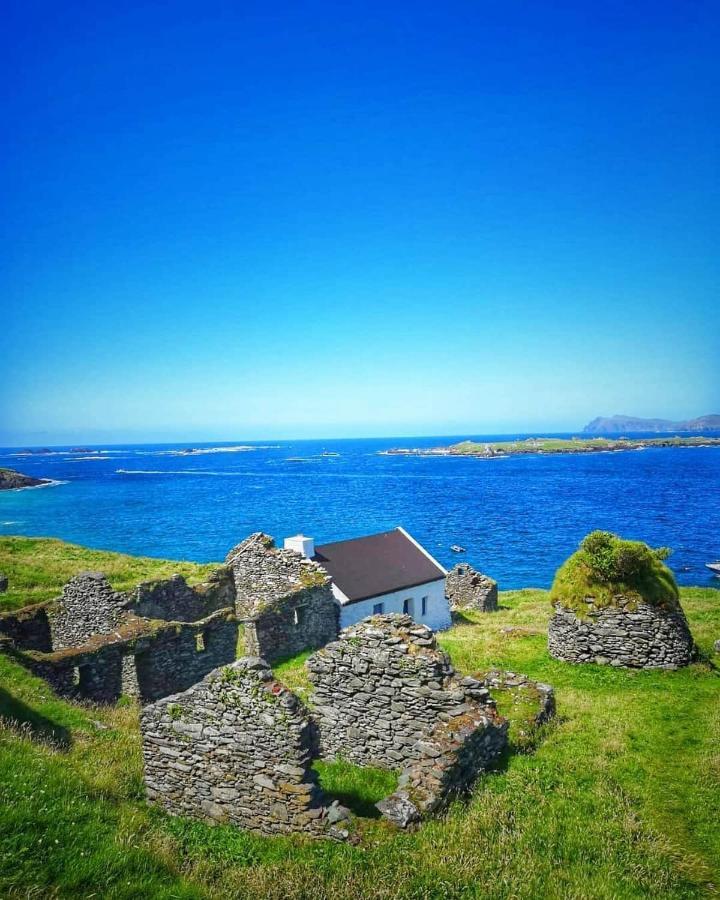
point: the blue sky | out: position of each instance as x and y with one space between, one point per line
248 220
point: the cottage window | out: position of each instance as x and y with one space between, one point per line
299 615
423 605
378 609
408 606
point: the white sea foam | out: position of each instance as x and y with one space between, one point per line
34 487
177 472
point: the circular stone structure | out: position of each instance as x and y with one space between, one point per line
617 604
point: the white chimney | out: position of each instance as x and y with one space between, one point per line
301 544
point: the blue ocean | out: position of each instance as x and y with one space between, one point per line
518 518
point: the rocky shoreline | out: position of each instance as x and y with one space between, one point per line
10 480
550 446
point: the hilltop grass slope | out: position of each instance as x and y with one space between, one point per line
37 568
617 798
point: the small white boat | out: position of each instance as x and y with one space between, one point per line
456 548
714 567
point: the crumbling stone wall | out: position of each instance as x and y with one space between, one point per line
28 628
88 606
524 687
447 763
140 658
284 599
382 688
467 588
237 748
173 600
306 619
629 634
180 655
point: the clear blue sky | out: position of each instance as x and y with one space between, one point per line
246 220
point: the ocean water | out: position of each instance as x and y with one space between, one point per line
518 518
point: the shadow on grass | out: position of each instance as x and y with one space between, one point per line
32 724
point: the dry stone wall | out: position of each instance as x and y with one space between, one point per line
383 687
237 748
629 634
306 619
88 606
285 599
467 588
174 600
28 628
447 763
140 659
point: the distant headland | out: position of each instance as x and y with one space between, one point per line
625 424
539 445
11 480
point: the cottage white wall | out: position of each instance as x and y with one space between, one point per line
438 609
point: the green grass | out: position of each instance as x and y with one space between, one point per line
619 798
575 445
37 568
357 787
607 569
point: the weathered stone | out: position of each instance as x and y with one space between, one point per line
284 599
440 758
659 637
466 588
240 788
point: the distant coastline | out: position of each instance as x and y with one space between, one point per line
622 425
550 446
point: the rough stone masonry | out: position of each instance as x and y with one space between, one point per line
385 695
236 748
284 599
636 635
466 588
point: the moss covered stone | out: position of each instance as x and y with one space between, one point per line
607 571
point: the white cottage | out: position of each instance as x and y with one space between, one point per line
381 573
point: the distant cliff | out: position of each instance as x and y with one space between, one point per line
625 424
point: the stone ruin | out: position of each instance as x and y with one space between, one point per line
226 742
284 600
94 643
631 634
239 746
467 588
385 695
617 603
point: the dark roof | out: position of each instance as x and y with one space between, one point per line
377 564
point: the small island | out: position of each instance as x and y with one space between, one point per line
540 445
10 480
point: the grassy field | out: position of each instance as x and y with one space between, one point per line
38 567
619 797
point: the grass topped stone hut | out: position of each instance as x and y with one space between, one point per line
617 603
